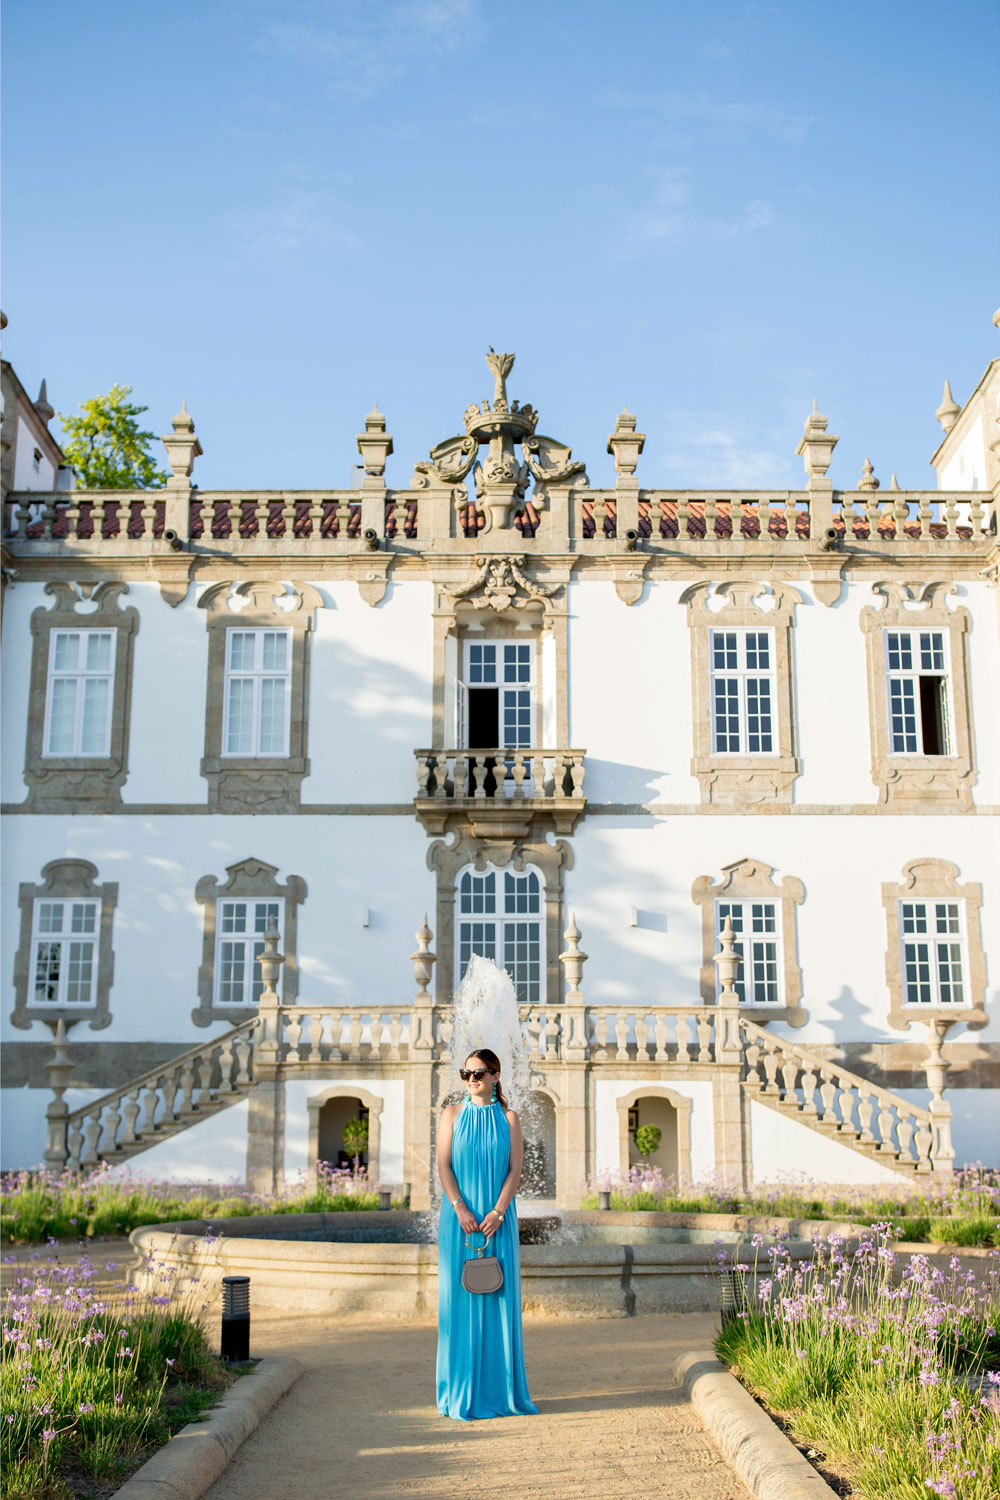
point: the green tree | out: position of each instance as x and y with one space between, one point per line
356 1137
106 446
647 1138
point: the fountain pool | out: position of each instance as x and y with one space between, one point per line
574 1263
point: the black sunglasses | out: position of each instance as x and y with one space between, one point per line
473 1073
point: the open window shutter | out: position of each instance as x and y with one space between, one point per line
461 715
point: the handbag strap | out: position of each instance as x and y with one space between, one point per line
478 1250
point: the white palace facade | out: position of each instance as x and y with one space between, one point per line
501 711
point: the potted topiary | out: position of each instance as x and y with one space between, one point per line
356 1139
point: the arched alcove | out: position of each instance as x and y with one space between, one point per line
538 1176
329 1112
654 1104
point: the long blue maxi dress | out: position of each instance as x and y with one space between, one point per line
480 1353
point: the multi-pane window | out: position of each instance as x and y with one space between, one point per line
64 953
500 917
80 692
495 699
742 692
757 941
240 929
916 667
257 692
930 933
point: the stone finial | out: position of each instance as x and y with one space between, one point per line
868 480
423 961
500 366
947 412
816 447
573 959
625 445
727 963
270 960
44 410
996 318
182 448
374 444
894 483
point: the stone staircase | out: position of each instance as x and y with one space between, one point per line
839 1104
190 1088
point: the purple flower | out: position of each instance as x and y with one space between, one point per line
48 1434
86 1406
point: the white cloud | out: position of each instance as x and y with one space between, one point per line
364 52
295 219
667 214
706 449
698 107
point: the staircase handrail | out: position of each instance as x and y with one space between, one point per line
193 1054
818 1064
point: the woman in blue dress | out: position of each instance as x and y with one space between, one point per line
480 1355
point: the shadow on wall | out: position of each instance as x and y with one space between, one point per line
616 781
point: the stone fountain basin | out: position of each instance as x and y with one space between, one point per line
374 1265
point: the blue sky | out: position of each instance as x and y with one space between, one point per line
284 211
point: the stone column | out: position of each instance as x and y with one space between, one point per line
816 451
419 1165
942 1151
625 445
182 448
60 1068
731 1138
573 1144
374 445
266 1119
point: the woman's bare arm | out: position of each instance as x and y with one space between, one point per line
512 1181
448 1180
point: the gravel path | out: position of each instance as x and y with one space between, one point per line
612 1424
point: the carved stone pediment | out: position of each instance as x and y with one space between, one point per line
502 583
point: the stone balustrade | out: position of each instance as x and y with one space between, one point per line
310 1034
836 1101
581 520
502 773
157 1104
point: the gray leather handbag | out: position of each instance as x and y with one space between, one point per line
482 1273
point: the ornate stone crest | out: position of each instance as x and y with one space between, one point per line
501 479
501 583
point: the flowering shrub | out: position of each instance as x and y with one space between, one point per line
92 1380
962 1210
37 1205
891 1371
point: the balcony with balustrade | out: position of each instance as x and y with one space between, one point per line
500 792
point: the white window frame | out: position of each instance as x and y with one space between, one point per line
530 991
752 910
65 940
743 676
81 675
256 675
933 940
912 675
465 684
263 908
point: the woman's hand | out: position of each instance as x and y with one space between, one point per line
490 1225
466 1219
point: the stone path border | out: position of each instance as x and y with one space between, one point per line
191 1462
769 1465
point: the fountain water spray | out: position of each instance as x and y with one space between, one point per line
486 1015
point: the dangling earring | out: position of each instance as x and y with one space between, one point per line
494 1099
